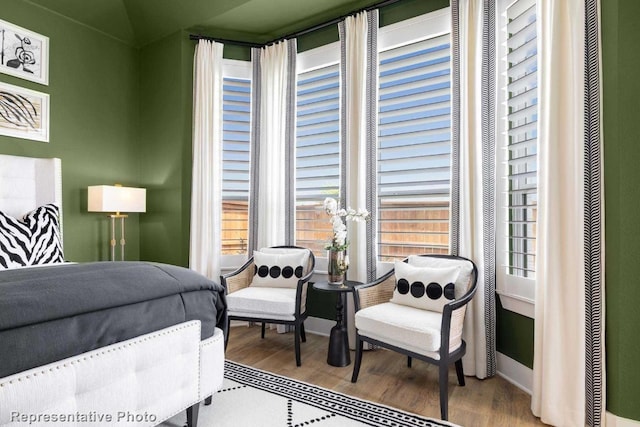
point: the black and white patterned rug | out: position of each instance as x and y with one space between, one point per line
255 398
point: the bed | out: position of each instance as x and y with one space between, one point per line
106 343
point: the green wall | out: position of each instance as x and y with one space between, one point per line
165 147
93 88
514 335
621 60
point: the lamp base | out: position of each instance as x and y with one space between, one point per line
113 235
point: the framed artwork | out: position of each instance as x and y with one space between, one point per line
24 113
23 53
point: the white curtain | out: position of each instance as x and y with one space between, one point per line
271 199
472 183
206 187
355 128
359 81
559 349
273 210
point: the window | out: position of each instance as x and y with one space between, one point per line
414 137
518 166
235 159
414 140
317 144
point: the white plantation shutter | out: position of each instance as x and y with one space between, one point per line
522 133
235 164
317 153
414 142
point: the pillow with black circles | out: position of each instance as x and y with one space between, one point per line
466 269
279 270
424 287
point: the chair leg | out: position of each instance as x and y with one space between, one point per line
409 361
444 390
262 333
208 400
297 344
358 361
226 337
303 335
460 372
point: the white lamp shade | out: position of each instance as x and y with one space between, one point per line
109 198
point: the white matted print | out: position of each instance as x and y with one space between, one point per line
23 53
24 113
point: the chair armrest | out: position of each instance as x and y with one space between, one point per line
466 298
241 278
374 293
455 308
303 286
307 277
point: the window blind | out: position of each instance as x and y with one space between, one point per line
235 164
522 135
317 153
414 149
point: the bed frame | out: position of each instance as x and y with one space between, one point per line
139 382
27 182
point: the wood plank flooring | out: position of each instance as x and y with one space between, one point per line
384 378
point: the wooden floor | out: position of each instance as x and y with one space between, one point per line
384 378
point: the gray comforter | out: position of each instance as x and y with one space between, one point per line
50 313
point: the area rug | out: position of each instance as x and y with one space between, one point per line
254 398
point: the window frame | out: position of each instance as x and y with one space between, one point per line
310 60
517 294
240 70
404 33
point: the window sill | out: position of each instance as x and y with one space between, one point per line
517 304
230 263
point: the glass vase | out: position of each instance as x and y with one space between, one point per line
336 267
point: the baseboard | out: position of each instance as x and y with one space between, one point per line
235 323
616 421
515 372
319 326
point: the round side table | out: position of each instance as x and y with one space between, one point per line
338 354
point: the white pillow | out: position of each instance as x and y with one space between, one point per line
279 270
464 279
275 250
424 287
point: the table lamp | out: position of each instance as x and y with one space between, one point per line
116 199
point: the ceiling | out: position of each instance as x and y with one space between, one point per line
140 22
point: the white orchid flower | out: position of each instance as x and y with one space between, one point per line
336 214
330 205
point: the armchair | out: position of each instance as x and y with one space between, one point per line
271 287
425 334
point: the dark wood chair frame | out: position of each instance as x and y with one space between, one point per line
299 316
446 357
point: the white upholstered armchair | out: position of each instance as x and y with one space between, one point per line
272 288
418 309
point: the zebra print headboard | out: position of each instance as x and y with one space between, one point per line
27 183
